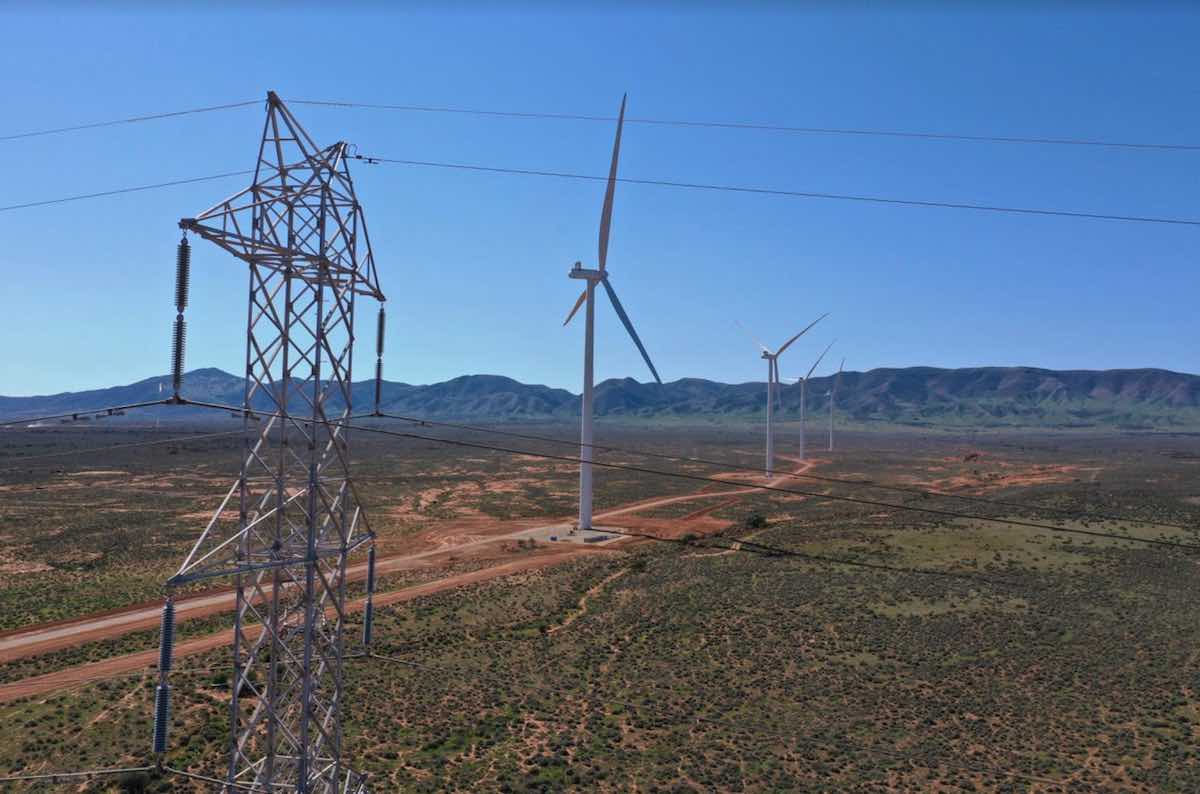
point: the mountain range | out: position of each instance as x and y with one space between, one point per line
922 396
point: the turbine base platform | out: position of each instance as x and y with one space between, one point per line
568 534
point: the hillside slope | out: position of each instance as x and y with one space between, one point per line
982 396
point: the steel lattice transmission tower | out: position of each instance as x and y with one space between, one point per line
288 524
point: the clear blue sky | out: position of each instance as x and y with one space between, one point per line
475 265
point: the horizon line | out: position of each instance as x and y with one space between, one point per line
166 378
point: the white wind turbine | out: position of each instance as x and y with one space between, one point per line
773 385
832 398
592 277
803 395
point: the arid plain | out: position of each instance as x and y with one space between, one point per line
726 638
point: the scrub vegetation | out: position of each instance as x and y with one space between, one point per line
779 642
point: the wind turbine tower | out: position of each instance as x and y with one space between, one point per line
591 278
804 395
832 399
288 524
772 359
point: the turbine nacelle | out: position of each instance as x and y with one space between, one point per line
585 273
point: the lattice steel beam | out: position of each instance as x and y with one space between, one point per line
287 525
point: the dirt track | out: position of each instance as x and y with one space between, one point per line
64 634
55 636
802 467
144 660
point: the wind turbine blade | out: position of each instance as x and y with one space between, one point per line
578 303
773 373
778 388
802 333
841 366
610 189
818 361
612 296
753 338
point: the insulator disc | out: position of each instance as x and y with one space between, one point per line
183 274
368 621
162 717
379 333
166 646
178 343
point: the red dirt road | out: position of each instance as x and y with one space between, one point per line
90 628
63 634
146 660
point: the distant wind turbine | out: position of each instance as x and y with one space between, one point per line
592 277
832 398
803 395
773 384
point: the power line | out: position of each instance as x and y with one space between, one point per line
750 125
119 191
741 546
100 413
793 193
794 475
150 669
131 445
659 472
762 549
700 478
601 447
225 785
248 412
128 120
103 412
111 410
746 189
776 489
82 773
687 123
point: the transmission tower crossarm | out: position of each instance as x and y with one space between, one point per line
99 413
